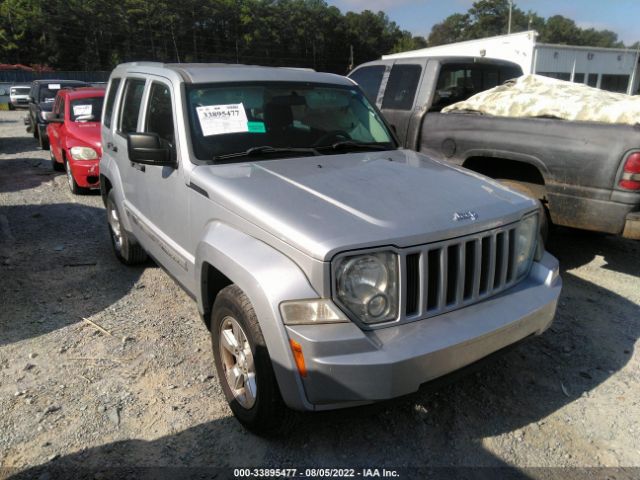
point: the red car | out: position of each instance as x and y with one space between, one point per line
74 135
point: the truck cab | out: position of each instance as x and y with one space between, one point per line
405 89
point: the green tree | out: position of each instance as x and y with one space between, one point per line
454 28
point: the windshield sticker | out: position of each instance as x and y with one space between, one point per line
222 119
256 127
81 110
54 86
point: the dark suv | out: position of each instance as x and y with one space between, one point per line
41 97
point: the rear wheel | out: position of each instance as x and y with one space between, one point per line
126 249
243 363
545 222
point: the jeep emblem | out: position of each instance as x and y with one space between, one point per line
468 215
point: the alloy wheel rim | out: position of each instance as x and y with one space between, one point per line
69 175
237 362
114 224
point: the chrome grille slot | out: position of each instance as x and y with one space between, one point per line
447 275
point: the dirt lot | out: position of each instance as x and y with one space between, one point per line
146 394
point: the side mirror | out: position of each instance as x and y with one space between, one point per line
51 117
32 99
149 149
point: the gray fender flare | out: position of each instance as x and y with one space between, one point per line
267 277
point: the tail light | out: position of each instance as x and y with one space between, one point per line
631 173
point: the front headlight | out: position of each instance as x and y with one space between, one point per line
526 236
367 286
83 153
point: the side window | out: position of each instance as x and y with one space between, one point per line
369 79
159 117
130 107
401 87
111 99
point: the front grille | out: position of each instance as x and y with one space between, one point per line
447 275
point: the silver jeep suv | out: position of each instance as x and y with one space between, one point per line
331 267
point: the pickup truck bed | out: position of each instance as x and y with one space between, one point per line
574 167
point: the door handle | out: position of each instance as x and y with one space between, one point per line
111 146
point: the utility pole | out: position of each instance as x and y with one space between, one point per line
510 8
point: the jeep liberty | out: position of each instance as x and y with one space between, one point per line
331 267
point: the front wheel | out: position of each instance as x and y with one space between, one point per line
57 166
126 249
73 185
43 140
243 363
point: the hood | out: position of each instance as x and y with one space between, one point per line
85 134
324 205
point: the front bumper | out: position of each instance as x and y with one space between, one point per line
347 366
86 172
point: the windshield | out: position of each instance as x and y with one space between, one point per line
228 119
86 109
20 91
48 91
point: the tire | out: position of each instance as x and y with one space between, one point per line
126 249
57 166
73 186
263 410
545 222
11 107
43 141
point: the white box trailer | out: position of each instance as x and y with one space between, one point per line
613 69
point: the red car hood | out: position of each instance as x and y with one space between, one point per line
86 134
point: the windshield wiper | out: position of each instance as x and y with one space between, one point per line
345 144
265 149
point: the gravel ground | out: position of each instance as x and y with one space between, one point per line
145 393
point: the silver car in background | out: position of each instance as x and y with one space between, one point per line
331 267
19 96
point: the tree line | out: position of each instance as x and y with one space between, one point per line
98 34
488 18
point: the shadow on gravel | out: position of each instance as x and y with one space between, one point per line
56 266
592 338
578 247
24 173
13 145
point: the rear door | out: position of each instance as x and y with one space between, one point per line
128 121
163 209
399 97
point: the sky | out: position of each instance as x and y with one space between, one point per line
418 16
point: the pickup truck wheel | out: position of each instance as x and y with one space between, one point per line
126 250
243 363
544 211
57 166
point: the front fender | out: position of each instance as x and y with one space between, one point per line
267 277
